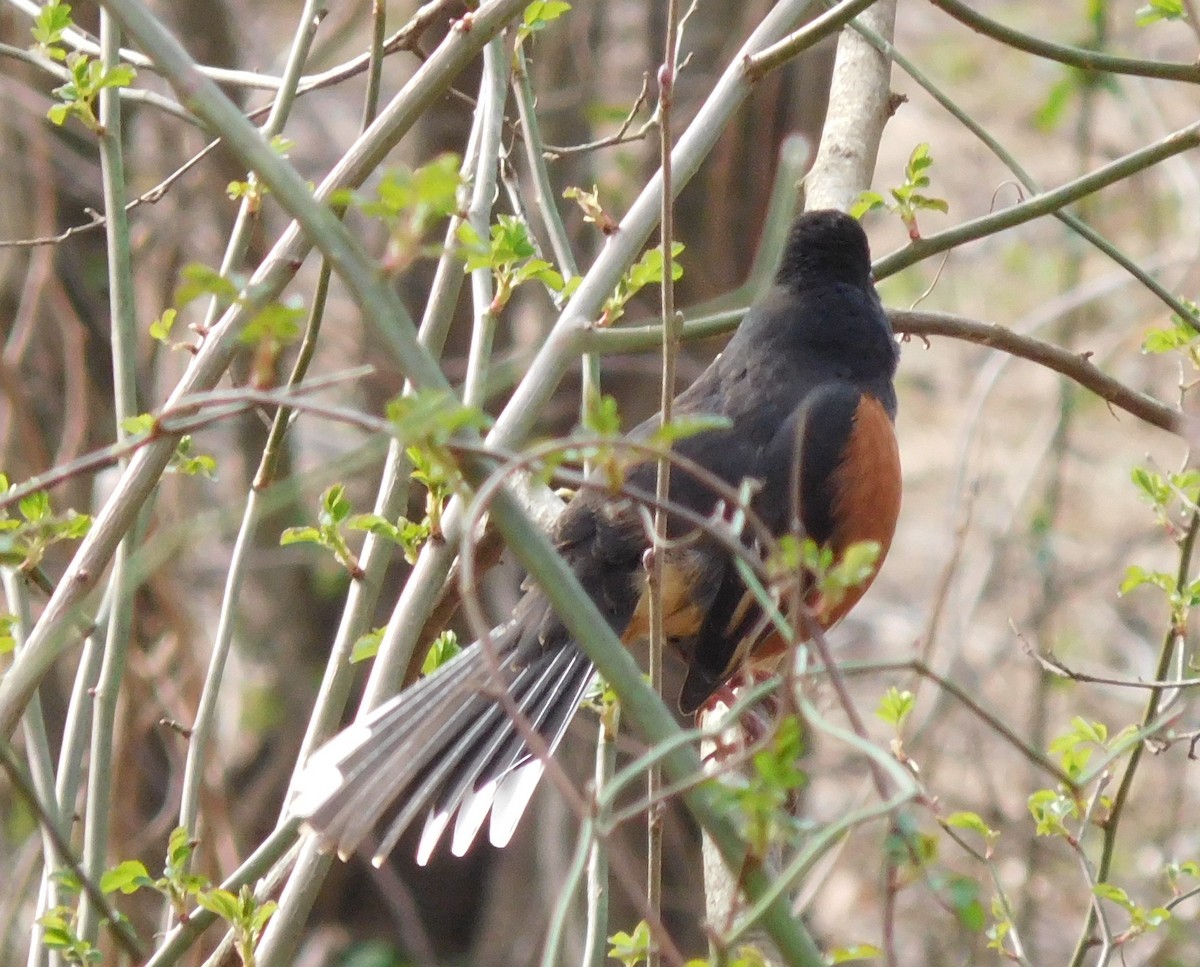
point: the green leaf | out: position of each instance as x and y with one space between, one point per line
367 646
184 461
221 902
1050 114
971 821
8 640
1152 486
867 201
542 12
963 894
137 425
119 75
631 948
1049 809
53 19
127 877
160 328
1136 576
862 951
1157 10
930 204
35 507
276 323
1107 891
335 504
682 427
895 706
200 280
374 524
300 535
444 647
432 417
601 415
179 848
1092 731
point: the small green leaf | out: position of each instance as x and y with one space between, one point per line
1157 10
127 877
1136 576
200 280
335 503
867 201
444 647
221 902
1054 107
367 646
137 425
35 507
179 848
300 535
971 821
862 951
682 427
963 894
8 639
631 949
1107 891
602 416
52 21
895 706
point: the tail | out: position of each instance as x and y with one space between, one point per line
443 746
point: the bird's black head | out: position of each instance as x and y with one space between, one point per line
825 246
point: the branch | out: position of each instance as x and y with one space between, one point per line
1044 204
1075 366
1086 60
859 98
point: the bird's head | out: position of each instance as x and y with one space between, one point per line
825 246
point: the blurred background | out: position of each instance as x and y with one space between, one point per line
1019 517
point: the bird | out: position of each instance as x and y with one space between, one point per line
804 391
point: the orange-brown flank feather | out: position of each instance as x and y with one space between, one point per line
866 503
866 499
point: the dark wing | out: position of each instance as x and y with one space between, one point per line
837 453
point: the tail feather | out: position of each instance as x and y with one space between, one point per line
441 746
512 799
548 707
478 723
488 759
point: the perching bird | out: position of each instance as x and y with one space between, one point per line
805 386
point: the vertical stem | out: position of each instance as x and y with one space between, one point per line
491 103
124 343
596 942
670 349
41 764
